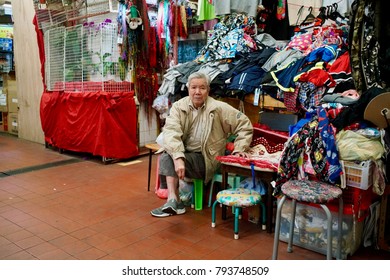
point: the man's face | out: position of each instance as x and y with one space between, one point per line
198 91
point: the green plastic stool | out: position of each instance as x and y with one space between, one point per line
197 194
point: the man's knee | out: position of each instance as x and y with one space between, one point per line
166 165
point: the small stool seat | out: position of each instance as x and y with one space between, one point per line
309 192
237 198
233 181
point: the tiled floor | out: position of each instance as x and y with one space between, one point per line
83 209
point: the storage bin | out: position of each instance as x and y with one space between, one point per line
359 174
310 229
356 202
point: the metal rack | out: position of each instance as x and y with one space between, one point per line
84 58
58 12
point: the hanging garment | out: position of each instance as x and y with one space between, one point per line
224 7
205 11
291 160
328 136
370 48
355 43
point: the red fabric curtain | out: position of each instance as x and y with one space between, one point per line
99 123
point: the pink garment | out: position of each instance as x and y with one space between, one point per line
301 42
209 24
351 93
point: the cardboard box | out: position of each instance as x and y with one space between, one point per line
12 102
13 123
10 89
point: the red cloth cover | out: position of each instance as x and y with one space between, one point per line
99 123
272 140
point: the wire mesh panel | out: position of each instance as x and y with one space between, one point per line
114 5
49 13
74 45
79 9
56 12
84 58
54 52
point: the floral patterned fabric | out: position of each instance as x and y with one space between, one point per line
239 197
310 191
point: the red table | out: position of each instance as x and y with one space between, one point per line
100 123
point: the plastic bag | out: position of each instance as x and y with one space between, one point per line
354 146
259 185
161 105
185 192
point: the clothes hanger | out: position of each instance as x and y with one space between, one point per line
309 18
322 15
299 13
335 14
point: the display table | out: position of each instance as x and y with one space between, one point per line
99 123
266 175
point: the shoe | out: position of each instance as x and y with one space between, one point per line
159 213
173 207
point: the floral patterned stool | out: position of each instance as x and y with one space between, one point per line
309 192
237 198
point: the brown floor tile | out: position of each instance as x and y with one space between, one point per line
57 254
182 256
50 234
91 254
9 249
19 235
163 252
63 240
21 255
83 233
130 253
41 249
75 248
7 228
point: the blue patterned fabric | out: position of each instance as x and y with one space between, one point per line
311 191
329 142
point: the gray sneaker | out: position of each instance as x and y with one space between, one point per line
173 207
159 213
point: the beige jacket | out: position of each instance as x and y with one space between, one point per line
223 121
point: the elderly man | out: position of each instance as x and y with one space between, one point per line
194 133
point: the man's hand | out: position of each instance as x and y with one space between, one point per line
180 167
